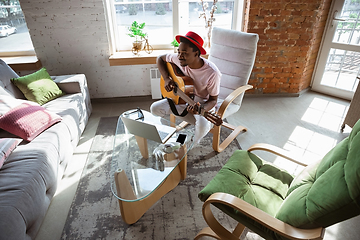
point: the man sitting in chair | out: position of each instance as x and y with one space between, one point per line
206 80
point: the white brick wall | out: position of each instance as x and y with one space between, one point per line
70 36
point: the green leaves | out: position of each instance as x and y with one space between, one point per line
136 30
174 43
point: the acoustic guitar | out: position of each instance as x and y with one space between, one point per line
183 83
184 92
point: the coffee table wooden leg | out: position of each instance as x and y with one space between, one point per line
132 210
123 186
172 120
142 143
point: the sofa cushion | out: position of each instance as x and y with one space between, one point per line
70 110
28 181
27 121
8 102
7 145
38 87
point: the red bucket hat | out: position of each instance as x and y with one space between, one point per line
195 39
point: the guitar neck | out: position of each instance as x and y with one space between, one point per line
187 99
184 96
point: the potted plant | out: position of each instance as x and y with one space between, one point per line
136 31
175 44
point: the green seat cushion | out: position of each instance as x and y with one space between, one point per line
38 87
255 181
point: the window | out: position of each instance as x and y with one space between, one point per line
14 35
166 18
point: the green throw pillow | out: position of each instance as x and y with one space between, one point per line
38 87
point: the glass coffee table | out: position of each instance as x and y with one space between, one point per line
144 170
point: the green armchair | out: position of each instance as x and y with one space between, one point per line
276 205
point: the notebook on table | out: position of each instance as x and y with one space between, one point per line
156 132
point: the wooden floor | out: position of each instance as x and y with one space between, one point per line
308 126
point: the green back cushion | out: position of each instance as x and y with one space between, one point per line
38 87
329 191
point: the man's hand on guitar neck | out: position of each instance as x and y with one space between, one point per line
200 109
194 109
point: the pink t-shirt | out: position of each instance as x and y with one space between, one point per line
206 79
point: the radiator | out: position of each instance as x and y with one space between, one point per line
155 83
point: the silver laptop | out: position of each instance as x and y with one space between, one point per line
155 132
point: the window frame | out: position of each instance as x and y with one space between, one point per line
15 54
113 35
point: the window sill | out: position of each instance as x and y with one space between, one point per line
128 58
22 63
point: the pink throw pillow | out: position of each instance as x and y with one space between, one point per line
27 121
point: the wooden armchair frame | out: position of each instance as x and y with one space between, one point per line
216 230
217 146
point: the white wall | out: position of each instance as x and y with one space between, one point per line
69 36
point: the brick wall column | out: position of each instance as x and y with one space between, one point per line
290 33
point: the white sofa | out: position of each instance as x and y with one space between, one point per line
29 175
